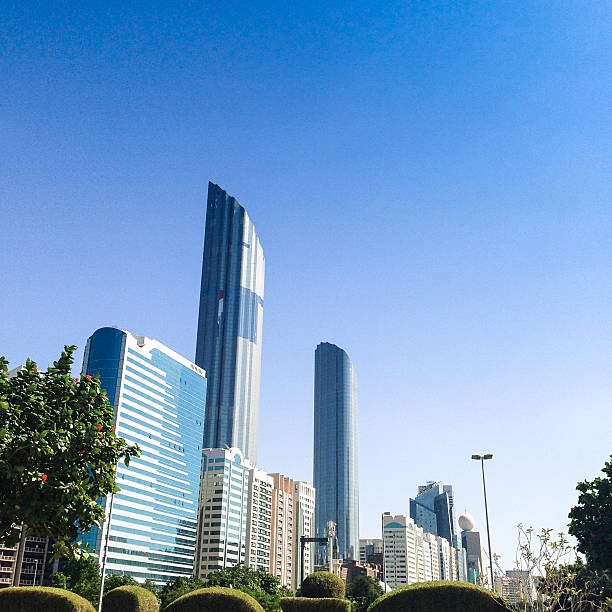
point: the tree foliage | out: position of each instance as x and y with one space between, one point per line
323 584
591 520
259 584
151 586
584 588
117 580
178 587
440 596
41 599
362 592
83 577
58 453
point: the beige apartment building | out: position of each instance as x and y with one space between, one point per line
293 503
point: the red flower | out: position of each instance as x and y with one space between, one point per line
82 452
76 380
104 393
44 478
88 377
113 428
100 434
99 427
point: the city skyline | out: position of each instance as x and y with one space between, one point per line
431 185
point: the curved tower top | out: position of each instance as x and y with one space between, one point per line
335 447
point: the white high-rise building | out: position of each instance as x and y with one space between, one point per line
158 398
292 517
259 520
431 544
447 562
224 510
251 517
304 496
413 555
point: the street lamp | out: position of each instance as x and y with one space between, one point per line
105 552
482 459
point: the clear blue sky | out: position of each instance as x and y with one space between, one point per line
431 182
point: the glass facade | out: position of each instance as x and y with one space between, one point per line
230 324
433 510
159 400
335 448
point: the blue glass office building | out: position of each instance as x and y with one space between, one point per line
335 448
159 401
433 510
230 324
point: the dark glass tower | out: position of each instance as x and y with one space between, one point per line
230 324
434 511
335 448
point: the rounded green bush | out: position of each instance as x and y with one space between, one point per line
439 596
323 584
215 599
314 604
130 598
47 599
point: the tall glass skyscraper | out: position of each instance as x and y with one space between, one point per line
159 402
335 448
230 324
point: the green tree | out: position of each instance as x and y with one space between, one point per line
116 580
177 587
591 520
259 584
59 580
83 577
151 586
362 592
58 453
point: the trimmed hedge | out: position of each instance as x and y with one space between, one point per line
215 599
130 598
439 596
314 604
323 584
47 599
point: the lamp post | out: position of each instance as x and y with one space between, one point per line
105 552
482 459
